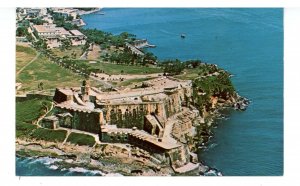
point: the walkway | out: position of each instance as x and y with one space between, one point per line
42 117
169 126
141 135
96 136
37 55
187 168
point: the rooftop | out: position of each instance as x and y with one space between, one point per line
43 28
63 31
76 33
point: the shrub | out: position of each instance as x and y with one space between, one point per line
81 139
49 135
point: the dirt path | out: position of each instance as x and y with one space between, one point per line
69 131
95 53
42 117
38 54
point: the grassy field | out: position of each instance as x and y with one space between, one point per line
23 56
49 135
81 139
110 68
42 70
188 74
52 75
27 112
77 50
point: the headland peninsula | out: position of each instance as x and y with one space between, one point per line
103 102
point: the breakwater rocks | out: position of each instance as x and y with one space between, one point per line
241 103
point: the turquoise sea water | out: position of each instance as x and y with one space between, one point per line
246 42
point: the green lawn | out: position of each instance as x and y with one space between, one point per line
49 135
81 139
42 70
110 68
23 56
27 112
68 52
188 74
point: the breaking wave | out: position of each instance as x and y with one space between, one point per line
46 166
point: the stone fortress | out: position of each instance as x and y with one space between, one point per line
144 116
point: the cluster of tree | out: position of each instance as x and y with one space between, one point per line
37 21
41 46
22 30
125 57
86 8
218 85
107 39
207 69
172 67
65 44
63 21
24 23
193 63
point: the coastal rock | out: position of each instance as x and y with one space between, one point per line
114 150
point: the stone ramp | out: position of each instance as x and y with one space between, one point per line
78 100
186 168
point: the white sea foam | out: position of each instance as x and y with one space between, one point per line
54 167
83 170
114 174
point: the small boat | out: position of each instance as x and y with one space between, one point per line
183 36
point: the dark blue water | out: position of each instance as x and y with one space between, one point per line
248 43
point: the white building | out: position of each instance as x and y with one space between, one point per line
54 35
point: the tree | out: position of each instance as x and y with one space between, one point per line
69 18
149 58
41 86
37 21
173 67
66 44
21 31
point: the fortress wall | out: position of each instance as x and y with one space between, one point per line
145 145
173 104
113 137
157 154
85 121
33 96
131 115
179 156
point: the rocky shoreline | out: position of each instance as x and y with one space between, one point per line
113 159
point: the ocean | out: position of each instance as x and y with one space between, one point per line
246 42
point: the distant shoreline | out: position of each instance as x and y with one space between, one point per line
82 12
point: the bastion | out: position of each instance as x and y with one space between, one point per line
140 116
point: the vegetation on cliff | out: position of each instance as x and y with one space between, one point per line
206 87
49 135
81 139
27 114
